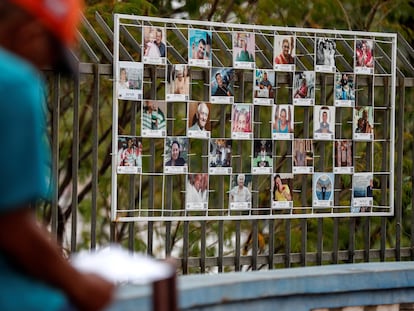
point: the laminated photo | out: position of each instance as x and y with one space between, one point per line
129 80
178 83
219 159
199 48
264 82
304 88
129 156
284 53
154 45
244 50
153 118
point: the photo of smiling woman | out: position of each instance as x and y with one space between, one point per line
176 149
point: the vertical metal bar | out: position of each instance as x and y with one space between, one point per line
351 247
254 244
271 245
383 241
237 258
304 241
385 179
185 247
319 242
399 169
150 230
335 243
95 141
367 238
114 179
55 153
287 241
220 245
203 247
75 162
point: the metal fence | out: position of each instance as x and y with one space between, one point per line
80 117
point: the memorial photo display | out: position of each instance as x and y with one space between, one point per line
245 123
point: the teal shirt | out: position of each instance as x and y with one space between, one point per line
24 173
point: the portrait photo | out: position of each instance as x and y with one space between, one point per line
282 190
323 189
220 156
242 121
325 49
282 124
199 125
129 157
263 86
244 50
196 193
154 45
222 85
303 156
262 161
324 122
364 56
178 82
344 89
129 80
176 154
199 47
284 53
362 192
240 195
304 88
153 118
363 123
344 156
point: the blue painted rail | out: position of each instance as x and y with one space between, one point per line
297 289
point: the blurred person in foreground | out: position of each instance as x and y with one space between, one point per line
34 35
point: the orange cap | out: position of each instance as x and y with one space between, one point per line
60 17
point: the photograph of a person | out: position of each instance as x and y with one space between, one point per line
222 85
362 192
240 194
243 50
323 189
343 156
176 154
363 123
344 89
196 194
129 80
129 155
154 45
303 156
324 122
262 161
263 89
282 125
364 55
199 125
199 47
281 190
220 156
153 118
284 50
325 55
241 121
178 82
304 88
